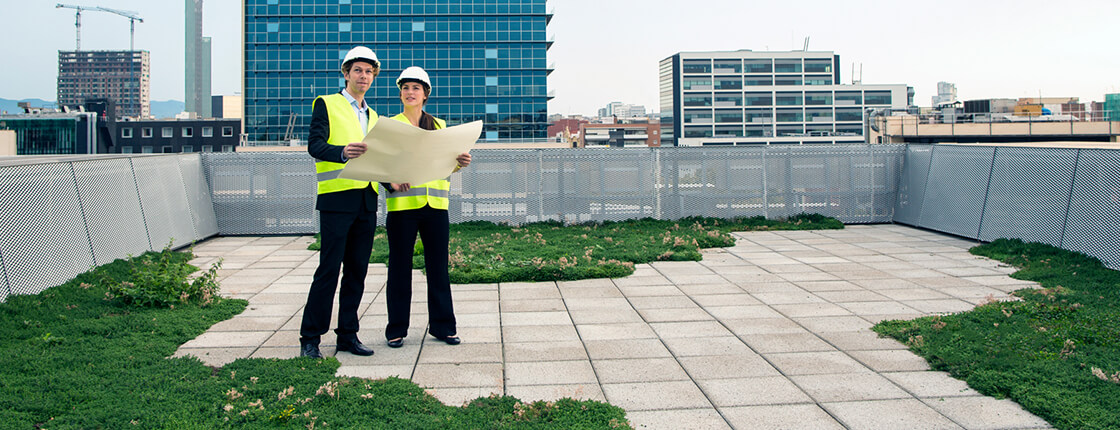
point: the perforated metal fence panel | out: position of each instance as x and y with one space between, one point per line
164 201
912 184
273 193
45 242
1029 194
111 203
262 192
957 186
1093 223
198 196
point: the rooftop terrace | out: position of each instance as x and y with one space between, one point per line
770 333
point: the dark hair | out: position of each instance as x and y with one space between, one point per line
427 121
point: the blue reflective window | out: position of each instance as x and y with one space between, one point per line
273 27
491 81
417 26
344 27
491 53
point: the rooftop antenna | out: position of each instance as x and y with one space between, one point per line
806 48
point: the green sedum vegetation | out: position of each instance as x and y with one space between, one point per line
484 252
1056 352
88 354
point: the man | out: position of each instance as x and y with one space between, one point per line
347 208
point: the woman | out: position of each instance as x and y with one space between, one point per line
419 208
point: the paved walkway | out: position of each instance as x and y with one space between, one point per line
771 333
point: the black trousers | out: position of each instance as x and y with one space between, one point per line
402 226
347 241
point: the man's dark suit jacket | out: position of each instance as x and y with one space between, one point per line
317 146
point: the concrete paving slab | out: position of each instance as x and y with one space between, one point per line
811 310
689 329
544 333
513 319
674 315
846 387
742 312
786 342
550 373
796 416
234 339
622 315
986 413
698 419
860 340
626 348
726 366
616 331
815 363
931 384
833 324
894 360
542 305
860 295
376 372
639 370
458 375
766 390
647 396
736 299
439 352
544 351
889 415
744 327
698 346
663 302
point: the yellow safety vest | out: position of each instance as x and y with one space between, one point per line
432 193
345 129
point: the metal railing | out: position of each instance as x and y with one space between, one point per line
61 215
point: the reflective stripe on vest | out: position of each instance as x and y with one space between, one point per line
344 129
432 193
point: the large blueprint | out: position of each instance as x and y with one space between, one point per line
400 153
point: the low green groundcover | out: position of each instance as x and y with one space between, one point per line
484 252
1056 352
78 356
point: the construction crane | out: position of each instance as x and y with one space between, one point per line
132 18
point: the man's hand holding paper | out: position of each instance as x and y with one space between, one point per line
400 153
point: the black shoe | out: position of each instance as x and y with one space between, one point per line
309 350
450 340
354 347
395 343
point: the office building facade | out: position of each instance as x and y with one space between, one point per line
121 76
174 136
748 98
487 60
55 133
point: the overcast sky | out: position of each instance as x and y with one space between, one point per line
608 50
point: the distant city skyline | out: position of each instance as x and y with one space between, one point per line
609 51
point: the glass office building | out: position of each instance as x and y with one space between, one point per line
486 59
748 98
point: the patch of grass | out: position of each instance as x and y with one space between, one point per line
78 356
1056 352
484 252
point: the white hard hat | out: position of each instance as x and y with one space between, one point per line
361 53
415 74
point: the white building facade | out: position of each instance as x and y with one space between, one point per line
775 97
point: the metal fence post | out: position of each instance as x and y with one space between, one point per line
987 189
1069 198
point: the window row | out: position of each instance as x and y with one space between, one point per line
789 130
397 53
169 132
758 65
320 7
169 149
737 82
789 98
436 24
772 115
332 65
